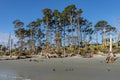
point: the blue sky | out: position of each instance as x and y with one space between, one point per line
29 10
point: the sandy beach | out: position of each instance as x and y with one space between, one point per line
74 68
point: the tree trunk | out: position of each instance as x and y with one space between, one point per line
78 30
104 37
97 38
110 43
64 40
71 29
81 40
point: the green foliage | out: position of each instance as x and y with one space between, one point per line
28 52
82 50
58 27
93 47
46 43
70 49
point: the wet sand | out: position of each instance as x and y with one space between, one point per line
74 68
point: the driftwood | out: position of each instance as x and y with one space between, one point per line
110 60
87 55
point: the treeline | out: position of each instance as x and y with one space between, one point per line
60 30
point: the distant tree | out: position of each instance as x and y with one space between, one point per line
111 30
79 24
70 12
64 23
87 31
47 21
33 29
102 26
39 35
56 22
19 32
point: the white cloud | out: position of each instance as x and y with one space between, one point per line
4 37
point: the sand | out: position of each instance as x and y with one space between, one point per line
74 68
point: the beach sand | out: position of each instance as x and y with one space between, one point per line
74 68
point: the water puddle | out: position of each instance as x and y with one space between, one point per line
11 76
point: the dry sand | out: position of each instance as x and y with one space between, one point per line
74 68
